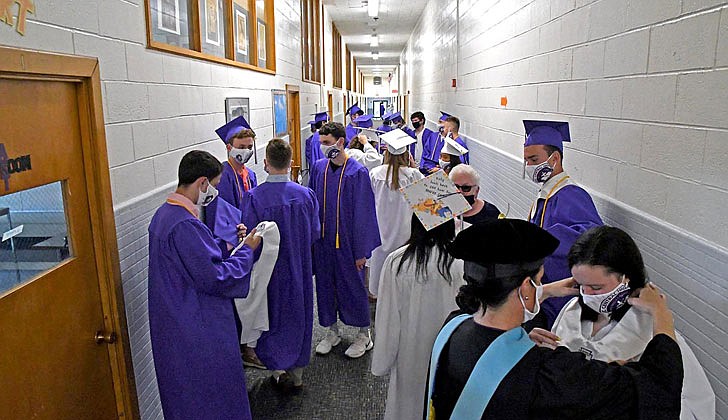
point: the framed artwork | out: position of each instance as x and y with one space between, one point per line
261 41
241 32
212 22
168 16
280 114
235 107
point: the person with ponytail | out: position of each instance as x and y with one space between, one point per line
484 365
417 291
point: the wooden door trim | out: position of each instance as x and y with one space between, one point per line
33 64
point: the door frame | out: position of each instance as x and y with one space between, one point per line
293 99
84 71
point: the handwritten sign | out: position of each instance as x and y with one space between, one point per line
435 200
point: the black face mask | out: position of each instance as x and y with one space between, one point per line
470 199
417 124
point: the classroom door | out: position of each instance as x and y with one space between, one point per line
54 347
330 103
294 130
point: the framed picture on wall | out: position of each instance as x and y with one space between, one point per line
241 32
168 16
235 107
280 113
261 41
212 22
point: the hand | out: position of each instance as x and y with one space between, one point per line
561 288
544 338
649 299
360 263
252 241
412 163
434 169
242 230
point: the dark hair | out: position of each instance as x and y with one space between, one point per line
358 113
387 122
613 249
491 292
553 149
318 125
421 243
455 121
417 114
335 129
278 153
454 161
196 164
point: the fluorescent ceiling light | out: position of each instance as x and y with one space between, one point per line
375 55
375 41
373 8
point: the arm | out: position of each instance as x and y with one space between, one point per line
366 229
371 158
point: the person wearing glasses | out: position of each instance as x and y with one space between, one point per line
467 181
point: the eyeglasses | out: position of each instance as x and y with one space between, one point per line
465 188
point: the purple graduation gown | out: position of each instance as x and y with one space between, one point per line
228 191
351 131
191 322
569 213
287 343
313 149
340 287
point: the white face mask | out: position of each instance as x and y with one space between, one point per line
528 315
442 163
331 151
540 173
206 197
609 302
240 155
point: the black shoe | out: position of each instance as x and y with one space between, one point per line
285 384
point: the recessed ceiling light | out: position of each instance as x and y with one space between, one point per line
373 8
374 41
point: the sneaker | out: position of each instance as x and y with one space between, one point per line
361 345
285 384
331 340
250 359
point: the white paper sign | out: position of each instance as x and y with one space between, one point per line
435 200
12 232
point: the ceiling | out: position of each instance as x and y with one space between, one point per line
394 27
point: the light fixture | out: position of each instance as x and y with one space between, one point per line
375 55
375 41
373 8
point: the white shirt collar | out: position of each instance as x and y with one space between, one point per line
548 185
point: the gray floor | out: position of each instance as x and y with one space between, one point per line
335 387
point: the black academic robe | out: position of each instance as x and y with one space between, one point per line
559 384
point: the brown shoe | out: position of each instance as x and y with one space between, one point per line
250 359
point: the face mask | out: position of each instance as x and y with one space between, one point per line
528 315
609 302
417 124
540 173
241 155
206 197
442 163
470 199
441 130
330 152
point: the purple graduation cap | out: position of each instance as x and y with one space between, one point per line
387 116
396 116
547 133
444 116
353 109
365 121
322 116
236 125
227 218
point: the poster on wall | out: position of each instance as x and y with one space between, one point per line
280 114
168 16
212 22
241 30
261 42
235 107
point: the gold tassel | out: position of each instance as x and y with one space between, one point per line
337 240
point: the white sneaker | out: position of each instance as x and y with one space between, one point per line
331 340
361 345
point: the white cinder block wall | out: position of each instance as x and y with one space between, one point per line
157 107
643 85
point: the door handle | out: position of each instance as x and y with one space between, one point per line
104 337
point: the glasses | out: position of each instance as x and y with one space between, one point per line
465 188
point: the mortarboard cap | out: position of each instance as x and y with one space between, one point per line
322 116
502 248
353 109
236 125
365 121
397 141
444 116
227 218
395 116
452 147
547 133
387 116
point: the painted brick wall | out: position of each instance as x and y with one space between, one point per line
643 86
158 106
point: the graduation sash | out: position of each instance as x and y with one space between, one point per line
495 363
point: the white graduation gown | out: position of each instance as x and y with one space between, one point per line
626 340
410 313
394 217
369 158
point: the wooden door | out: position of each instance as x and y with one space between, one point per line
60 305
294 124
331 106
